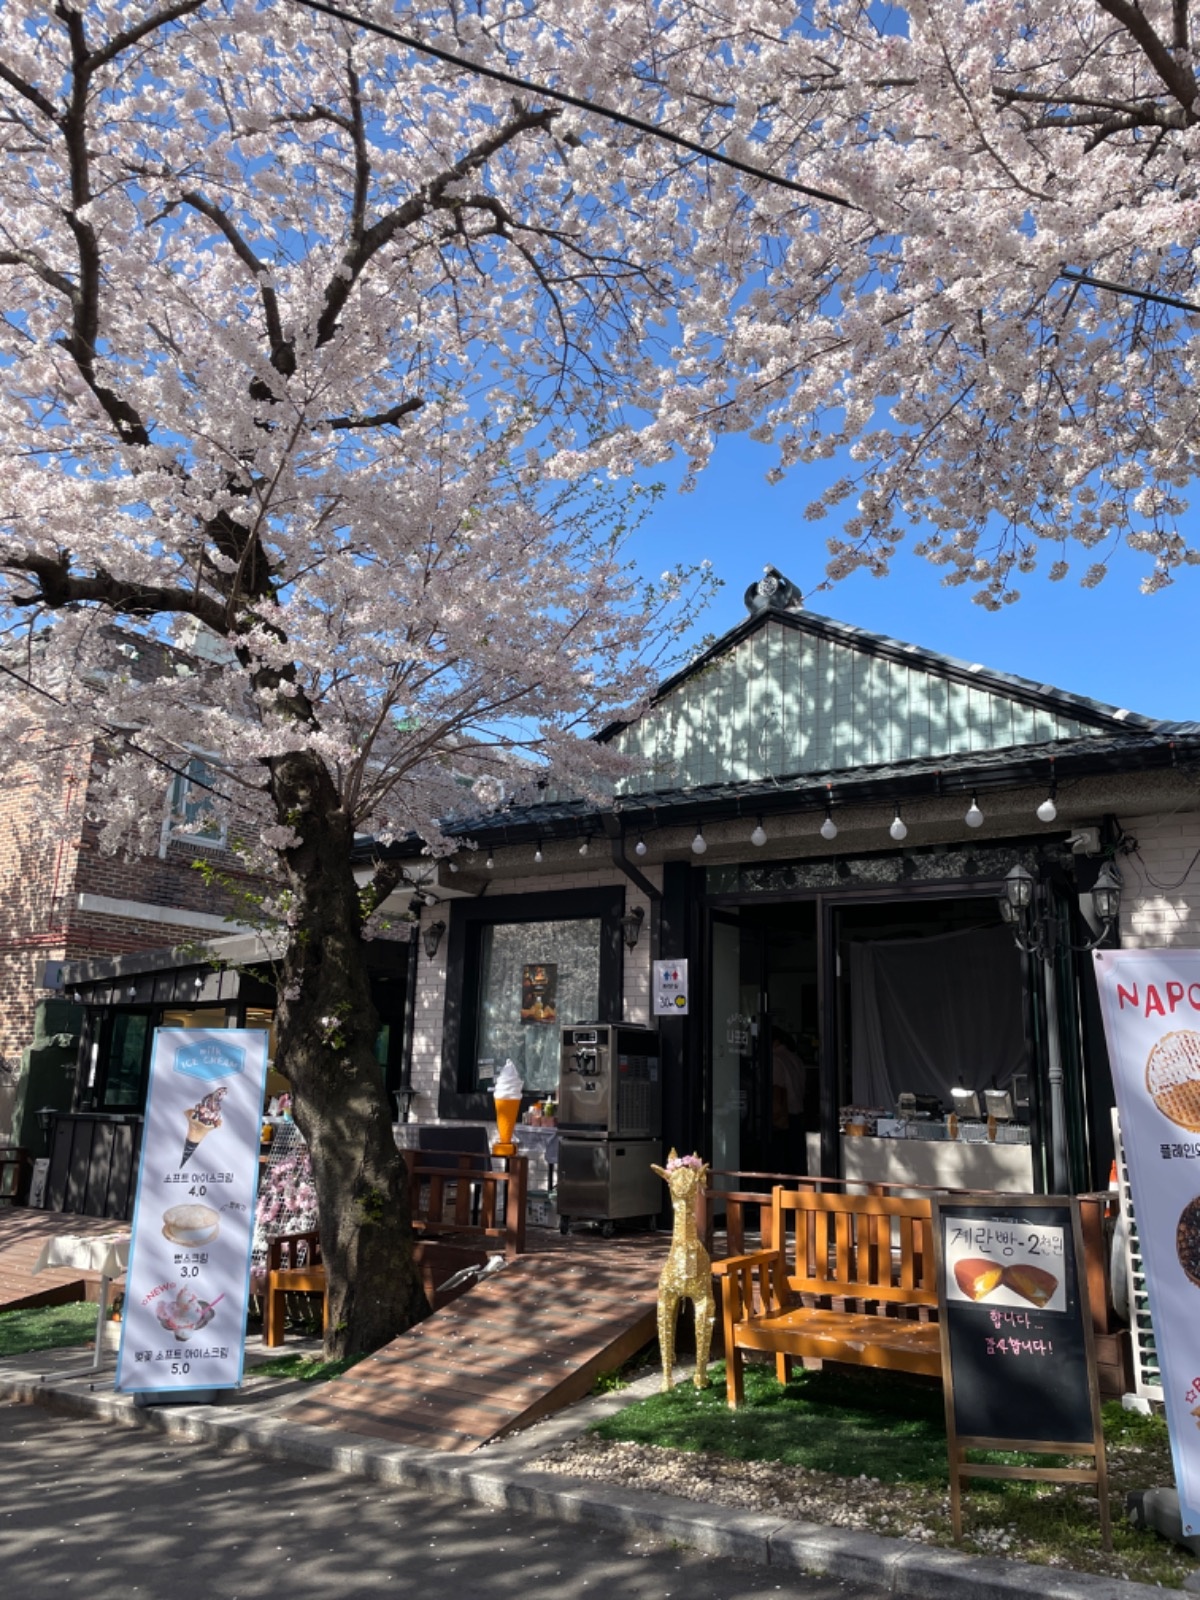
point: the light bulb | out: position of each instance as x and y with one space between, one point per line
1047 811
639 848
584 847
537 854
699 843
759 836
897 830
454 866
829 828
974 817
489 863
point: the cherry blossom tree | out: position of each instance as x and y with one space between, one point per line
289 331
325 347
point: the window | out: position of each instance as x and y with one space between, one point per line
190 813
556 966
124 1056
518 967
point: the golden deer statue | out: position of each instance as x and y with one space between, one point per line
687 1271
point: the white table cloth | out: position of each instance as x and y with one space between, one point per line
105 1253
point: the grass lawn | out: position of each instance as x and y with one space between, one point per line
308 1369
46 1328
836 1428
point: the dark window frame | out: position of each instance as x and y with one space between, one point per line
100 1091
458 1098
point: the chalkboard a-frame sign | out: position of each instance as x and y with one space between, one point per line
1018 1363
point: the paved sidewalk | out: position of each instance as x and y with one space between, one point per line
507 1476
111 1513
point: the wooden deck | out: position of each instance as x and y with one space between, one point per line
22 1235
519 1346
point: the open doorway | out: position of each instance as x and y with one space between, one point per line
765 1040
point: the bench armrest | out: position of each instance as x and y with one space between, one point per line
743 1279
736 1263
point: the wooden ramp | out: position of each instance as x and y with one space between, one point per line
519 1346
22 1235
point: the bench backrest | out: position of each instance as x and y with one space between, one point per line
860 1246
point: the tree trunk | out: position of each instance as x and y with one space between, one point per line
326 1048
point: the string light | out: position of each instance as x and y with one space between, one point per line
974 817
699 843
586 845
489 863
759 836
898 830
639 848
537 854
829 828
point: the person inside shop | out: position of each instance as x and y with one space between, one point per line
787 1103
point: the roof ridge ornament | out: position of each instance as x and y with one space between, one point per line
772 592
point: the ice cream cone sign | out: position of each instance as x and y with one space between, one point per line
507 1096
201 1119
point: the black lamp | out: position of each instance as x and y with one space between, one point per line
45 1116
432 937
1018 892
631 926
1106 894
405 1095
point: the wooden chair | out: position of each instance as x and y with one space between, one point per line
292 1278
871 1250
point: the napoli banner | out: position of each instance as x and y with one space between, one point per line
1151 1002
188 1281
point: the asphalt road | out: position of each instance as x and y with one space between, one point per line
108 1512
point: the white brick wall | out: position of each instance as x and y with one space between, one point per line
1160 889
431 974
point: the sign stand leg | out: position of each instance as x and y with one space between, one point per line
956 1521
1102 1496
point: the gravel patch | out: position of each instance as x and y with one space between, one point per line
897 1510
794 1492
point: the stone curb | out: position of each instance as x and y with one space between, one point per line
499 1477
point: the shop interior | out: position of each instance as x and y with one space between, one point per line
925 1015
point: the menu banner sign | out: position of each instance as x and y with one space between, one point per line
188 1280
1151 1005
670 988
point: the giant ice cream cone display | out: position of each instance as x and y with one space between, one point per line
507 1094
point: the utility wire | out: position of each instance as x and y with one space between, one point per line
543 91
1123 288
114 733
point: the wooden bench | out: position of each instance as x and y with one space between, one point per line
450 1199
872 1250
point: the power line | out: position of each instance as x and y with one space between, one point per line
1124 288
543 91
561 95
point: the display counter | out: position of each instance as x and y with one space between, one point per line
938 1163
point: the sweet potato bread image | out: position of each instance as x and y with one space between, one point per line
1034 1284
977 1277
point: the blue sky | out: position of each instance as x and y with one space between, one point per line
1112 643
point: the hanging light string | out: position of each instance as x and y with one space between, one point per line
718 157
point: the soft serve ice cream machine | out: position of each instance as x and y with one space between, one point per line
609 1123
